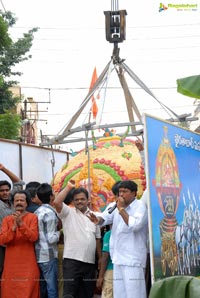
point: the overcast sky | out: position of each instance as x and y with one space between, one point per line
160 47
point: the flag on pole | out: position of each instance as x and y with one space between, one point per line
94 108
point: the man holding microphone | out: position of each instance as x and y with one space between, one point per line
128 241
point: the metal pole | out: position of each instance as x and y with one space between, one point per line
52 162
88 156
114 5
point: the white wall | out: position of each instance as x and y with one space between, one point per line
31 163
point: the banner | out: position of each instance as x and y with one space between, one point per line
173 179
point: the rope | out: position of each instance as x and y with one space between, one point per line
107 77
144 87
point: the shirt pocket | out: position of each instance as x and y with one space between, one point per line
91 228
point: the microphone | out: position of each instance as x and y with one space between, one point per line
111 209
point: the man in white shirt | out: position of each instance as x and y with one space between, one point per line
80 242
128 242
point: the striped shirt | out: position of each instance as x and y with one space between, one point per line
46 246
5 210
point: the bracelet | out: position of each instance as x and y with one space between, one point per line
120 209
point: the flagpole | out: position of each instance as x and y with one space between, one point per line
87 151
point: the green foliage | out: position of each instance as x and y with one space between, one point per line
11 54
7 100
189 86
10 126
5 40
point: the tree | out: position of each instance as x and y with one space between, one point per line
11 54
9 125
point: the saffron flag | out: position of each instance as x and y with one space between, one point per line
94 108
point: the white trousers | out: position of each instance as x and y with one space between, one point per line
128 282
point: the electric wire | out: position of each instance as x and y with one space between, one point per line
3 6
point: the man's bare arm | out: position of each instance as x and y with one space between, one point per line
104 263
10 174
58 202
98 251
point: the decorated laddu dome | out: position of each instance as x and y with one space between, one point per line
111 159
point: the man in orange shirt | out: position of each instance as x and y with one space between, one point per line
19 231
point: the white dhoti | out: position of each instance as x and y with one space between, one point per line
129 282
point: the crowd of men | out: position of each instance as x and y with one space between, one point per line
33 224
